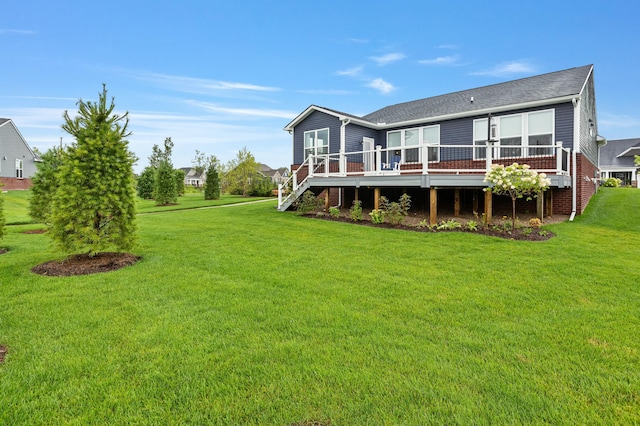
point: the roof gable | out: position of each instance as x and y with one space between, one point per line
619 152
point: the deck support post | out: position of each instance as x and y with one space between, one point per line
433 206
326 199
548 207
540 206
488 207
376 198
456 202
475 201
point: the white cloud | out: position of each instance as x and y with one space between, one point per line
388 58
351 72
507 68
196 85
381 86
245 112
20 32
441 60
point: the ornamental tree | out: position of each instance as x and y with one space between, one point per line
94 206
516 181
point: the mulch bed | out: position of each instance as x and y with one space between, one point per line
83 264
532 234
3 352
35 231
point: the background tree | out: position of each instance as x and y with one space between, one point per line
636 160
179 179
45 184
261 186
516 181
165 190
146 183
241 171
94 206
212 183
2 219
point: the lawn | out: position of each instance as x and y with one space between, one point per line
244 315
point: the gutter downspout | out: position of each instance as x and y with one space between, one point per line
574 166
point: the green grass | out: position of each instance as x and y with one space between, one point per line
245 315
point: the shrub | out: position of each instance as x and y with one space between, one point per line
472 225
179 177
44 185
165 190
377 216
334 212
449 225
535 222
612 182
308 203
356 211
212 184
395 212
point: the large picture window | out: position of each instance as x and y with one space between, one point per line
519 135
316 142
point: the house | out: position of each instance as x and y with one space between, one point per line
437 149
617 161
17 160
278 176
193 178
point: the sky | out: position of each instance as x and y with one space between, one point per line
220 76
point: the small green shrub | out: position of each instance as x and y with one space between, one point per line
356 211
472 225
334 212
527 231
308 203
449 225
377 216
395 212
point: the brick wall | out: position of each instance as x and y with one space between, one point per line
14 183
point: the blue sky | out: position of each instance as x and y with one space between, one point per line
218 76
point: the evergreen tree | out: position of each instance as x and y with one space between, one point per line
165 187
2 219
44 185
212 184
179 178
94 205
146 183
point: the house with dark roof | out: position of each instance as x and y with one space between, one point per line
617 161
193 178
277 176
17 160
438 149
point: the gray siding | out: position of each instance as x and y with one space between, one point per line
354 135
316 120
12 147
588 129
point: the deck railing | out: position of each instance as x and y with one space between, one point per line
440 159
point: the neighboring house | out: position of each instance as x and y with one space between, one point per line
193 178
617 160
278 176
17 160
435 149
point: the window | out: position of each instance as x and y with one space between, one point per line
510 135
406 140
541 132
19 169
519 135
431 137
316 142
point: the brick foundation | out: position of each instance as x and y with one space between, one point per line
14 183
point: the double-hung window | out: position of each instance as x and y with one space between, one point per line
511 136
316 142
480 139
404 145
540 126
19 164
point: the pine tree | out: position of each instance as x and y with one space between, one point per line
165 192
44 185
94 206
146 182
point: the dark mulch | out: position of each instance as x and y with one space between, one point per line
2 251
35 231
3 352
524 233
83 264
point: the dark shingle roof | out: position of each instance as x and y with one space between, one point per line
532 89
3 120
610 152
